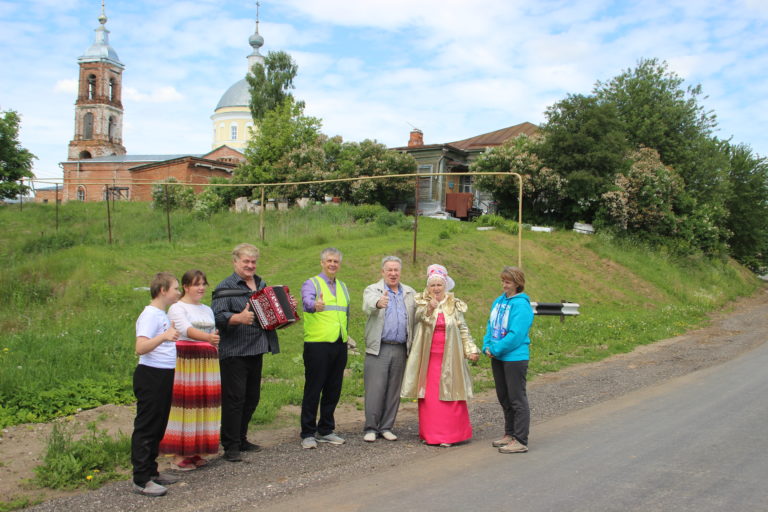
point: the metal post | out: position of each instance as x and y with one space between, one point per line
109 214
167 212
56 198
261 216
416 220
520 223
21 195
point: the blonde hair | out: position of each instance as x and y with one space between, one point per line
515 275
245 250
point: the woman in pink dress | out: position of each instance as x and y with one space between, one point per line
437 372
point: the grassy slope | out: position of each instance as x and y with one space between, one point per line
69 303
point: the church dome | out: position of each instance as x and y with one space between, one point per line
238 95
100 49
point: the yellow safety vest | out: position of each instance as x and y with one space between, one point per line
332 322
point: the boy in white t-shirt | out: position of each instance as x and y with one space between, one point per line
153 385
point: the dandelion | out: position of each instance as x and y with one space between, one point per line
89 477
96 471
6 349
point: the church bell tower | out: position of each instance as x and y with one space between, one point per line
98 109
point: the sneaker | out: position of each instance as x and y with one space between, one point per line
446 445
150 489
308 443
331 438
389 435
165 479
369 437
503 441
514 447
232 456
247 446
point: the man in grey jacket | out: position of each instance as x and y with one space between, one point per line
390 307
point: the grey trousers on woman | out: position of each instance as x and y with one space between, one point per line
383 379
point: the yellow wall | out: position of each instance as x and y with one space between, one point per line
224 119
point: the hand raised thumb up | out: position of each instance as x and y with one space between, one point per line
319 303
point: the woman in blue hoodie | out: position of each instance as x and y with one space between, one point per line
506 342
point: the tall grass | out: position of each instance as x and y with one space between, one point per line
70 300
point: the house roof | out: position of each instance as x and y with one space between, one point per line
199 162
496 138
130 158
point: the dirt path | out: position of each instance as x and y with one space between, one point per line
283 469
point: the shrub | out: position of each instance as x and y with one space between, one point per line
498 222
172 196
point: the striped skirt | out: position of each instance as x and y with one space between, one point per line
193 426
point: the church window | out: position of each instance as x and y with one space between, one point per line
91 87
84 155
111 129
88 126
111 89
233 132
81 193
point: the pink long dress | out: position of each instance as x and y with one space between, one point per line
441 421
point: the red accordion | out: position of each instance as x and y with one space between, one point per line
275 307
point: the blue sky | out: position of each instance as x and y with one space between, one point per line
375 68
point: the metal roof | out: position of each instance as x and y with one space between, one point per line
496 138
132 158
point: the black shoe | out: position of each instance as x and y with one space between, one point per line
165 479
247 446
232 456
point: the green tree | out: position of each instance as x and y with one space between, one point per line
15 161
543 189
271 82
642 202
585 143
659 112
748 207
283 130
370 158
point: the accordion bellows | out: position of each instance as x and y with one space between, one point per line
275 307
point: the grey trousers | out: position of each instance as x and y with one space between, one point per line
383 379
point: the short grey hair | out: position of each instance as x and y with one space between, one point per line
245 250
328 251
387 259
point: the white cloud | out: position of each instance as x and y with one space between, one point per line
68 85
160 95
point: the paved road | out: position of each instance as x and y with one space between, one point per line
698 442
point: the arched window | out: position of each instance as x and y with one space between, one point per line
81 193
91 87
84 155
111 129
233 132
111 89
88 126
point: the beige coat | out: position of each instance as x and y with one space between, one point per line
455 382
374 326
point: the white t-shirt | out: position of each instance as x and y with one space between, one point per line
184 316
152 322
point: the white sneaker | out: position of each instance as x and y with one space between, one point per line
150 489
308 443
331 438
369 437
389 435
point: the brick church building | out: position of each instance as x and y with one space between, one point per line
98 166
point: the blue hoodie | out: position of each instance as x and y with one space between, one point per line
507 339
